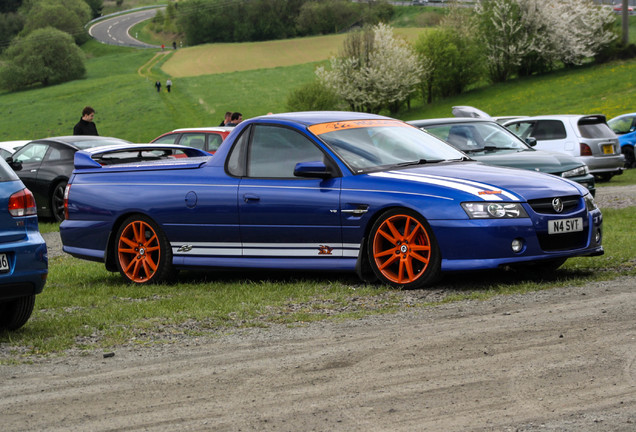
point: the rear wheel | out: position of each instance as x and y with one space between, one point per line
143 252
403 251
57 201
15 313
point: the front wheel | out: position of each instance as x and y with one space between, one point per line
143 252
403 251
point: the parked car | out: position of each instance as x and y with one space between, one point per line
325 191
7 148
586 137
45 165
488 142
206 138
23 255
625 127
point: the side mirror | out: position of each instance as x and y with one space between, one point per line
531 141
312 170
16 166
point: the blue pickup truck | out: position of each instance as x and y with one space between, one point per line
321 191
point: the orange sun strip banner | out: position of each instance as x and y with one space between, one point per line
322 128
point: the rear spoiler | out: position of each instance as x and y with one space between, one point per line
97 157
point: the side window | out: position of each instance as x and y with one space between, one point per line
31 153
167 139
522 129
274 152
236 160
196 140
549 130
59 153
214 141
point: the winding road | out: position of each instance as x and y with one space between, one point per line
116 30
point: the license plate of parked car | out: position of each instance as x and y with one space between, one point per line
4 263
608 149
565 225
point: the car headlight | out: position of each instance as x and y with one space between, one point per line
580 171
494 210
590 204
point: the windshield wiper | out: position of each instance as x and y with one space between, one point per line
419 162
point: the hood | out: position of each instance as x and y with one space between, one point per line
534 160
476 181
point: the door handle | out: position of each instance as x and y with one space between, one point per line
251 197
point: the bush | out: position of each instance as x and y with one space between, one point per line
313 97
46 56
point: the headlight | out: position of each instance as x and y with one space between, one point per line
580 171
590 204
491 210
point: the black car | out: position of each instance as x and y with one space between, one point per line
45 165
489 142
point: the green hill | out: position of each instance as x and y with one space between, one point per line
120 86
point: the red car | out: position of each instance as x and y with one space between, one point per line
204 138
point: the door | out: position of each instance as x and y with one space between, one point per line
282 215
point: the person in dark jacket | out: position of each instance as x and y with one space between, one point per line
86 126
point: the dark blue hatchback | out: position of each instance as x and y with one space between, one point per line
23 254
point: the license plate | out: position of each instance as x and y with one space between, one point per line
608 149
4 263
565 226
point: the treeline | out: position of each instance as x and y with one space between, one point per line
206 21
39 40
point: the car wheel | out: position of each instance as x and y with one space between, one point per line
605 177
630 160
403 251
57 201
143 252
15 313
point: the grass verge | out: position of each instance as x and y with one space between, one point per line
84 307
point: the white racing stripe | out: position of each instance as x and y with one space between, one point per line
265 249
480 190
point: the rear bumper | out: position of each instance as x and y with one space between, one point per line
28 267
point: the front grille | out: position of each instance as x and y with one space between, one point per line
557 242
544 205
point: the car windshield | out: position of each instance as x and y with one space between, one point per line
595 129
621 125
370 145
478 137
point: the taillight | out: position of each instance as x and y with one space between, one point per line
66 191
585 150
22 204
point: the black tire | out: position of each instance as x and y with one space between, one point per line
403 251
630 159
604 177
15 313
142 251
57 201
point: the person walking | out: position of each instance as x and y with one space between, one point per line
168 85
158 86
86 125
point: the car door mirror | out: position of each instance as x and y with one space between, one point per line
16 166
314 169
531 141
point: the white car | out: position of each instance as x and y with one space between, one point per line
7 148
586 137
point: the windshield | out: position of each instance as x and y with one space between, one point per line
621 125
369 145
477 137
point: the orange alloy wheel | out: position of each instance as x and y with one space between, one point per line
401 249
139 251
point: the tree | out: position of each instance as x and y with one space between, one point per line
96 7
528 36
66 15
452 54
376 71
45 56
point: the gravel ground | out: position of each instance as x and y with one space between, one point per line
563 359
